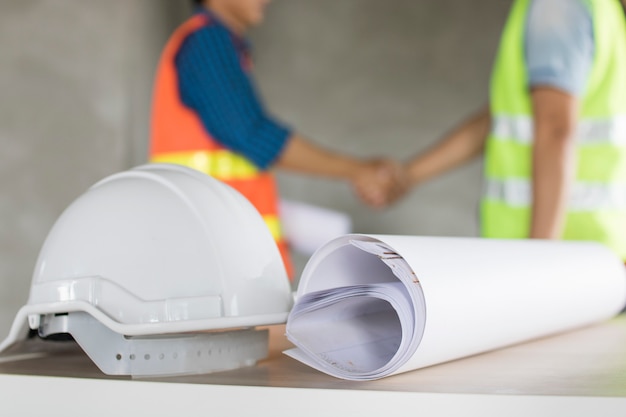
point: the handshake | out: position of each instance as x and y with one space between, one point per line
381 182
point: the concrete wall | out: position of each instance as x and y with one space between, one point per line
75 82
367 77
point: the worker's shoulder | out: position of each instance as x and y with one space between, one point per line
207 36
210 26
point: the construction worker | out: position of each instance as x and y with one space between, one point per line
207 115
554 133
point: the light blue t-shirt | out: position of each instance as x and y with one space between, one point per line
559 44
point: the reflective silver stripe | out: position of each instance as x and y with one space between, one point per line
584 196
589 131
512 192
515 128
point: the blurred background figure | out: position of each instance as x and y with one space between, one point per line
207 115
554 133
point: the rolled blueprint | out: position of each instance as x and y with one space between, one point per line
370 306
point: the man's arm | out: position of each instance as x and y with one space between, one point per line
559 54
303 156
380 177
461 145
554 114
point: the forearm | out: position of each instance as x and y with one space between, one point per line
303 156
377 181
552 173
461 145
553 161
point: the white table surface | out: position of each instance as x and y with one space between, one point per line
579 373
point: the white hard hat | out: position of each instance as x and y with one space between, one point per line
158 250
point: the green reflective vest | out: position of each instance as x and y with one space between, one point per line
597 204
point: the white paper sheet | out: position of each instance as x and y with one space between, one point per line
307 227
370 306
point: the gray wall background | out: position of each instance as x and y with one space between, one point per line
366 77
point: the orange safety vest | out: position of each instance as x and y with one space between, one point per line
178 136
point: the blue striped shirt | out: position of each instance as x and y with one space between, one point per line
214 83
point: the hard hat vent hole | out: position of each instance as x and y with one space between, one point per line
118 357
146 357
132 356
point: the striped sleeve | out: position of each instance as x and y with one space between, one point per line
213 83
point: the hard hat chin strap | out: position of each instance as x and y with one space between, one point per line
158 355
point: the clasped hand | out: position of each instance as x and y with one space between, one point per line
380 182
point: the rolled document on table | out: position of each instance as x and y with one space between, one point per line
371 306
